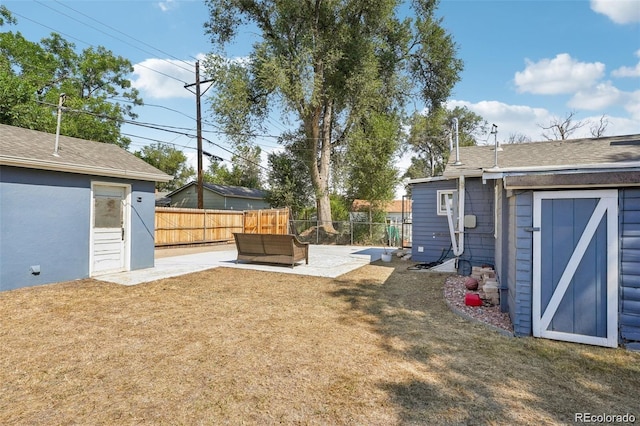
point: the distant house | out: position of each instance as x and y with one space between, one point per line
559 221
219 197
394 211
85 210
397 216
162 200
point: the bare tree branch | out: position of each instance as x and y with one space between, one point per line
561 129
597 129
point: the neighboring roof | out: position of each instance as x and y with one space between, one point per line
35 150
227 191
592 153
162 200
394 206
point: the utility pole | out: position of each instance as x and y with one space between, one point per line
199 131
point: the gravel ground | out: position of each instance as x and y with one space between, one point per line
454 292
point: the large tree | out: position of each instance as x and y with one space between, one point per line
289 183
33 76
326 64
431 134
371 156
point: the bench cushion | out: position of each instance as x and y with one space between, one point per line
271 248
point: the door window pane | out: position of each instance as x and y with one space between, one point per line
107 212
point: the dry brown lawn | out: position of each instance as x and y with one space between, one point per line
229 346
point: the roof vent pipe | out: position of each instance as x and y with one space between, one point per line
494 132
60 102
455 132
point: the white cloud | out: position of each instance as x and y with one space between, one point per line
561 74
167 5
633 107
163 78
628 71
510 119
619 11
597 97
526 120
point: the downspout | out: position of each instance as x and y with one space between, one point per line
457 233
452 231
460 217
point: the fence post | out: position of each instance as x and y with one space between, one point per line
351 229
204 225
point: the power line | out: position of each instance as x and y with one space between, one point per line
168 129
89 44
127 35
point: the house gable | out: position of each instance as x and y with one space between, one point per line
219 197
35 150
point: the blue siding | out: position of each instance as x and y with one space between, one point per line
520 261
143 212
188 198
429 231
45 221
479 242
630 268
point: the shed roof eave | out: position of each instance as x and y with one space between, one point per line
80 169
455 174
576 167
429 179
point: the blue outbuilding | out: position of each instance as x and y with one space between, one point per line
560 223
72 209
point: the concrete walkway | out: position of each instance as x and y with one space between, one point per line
324 261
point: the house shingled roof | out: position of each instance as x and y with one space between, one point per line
546 155
227 190
28 148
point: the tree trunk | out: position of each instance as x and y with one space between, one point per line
318 131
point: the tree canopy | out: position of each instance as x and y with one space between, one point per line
430 135
328 65
34 75
245 169
170 160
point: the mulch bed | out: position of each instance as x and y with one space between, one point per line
454 294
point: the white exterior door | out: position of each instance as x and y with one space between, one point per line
109 231
575 266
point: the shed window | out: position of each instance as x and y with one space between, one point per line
443 194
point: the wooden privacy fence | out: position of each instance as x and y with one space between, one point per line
178 226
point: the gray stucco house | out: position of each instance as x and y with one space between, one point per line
219 197
559 221
85 210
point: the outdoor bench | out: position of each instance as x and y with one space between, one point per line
271 248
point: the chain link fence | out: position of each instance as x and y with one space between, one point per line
353 233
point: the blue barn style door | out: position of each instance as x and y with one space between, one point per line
575 266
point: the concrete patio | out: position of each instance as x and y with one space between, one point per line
324 261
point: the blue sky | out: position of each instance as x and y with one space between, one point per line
526 62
